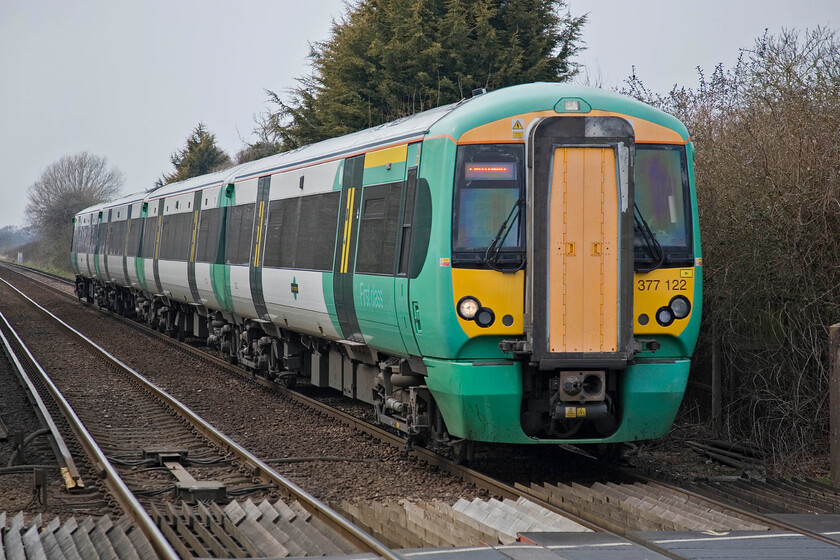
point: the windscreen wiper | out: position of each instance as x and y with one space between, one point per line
491 256
641 227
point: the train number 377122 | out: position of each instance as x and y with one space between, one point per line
677 285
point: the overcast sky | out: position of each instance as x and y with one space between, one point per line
130 79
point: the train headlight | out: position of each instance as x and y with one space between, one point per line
680 306
664 316
468 308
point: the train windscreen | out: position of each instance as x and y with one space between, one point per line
489 190
662 199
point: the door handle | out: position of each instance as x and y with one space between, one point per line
415 308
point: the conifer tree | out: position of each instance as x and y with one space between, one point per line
390 58
200 155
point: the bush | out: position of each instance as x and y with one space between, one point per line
768 180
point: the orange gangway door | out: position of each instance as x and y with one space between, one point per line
583 268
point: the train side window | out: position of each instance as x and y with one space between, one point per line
300 232
165 228
116 238
174 244
408 216
78 237
150 237
307 233
209 226
119 241
327 220
105 248
74 245
83 240
133 243
315 238
240 226
379 228
271 246
187 226
94 233
280 233
101 236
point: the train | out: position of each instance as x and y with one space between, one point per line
521 267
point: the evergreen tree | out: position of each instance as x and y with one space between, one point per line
200 155
391 58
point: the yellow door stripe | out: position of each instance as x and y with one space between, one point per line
348 229
157 238
344 237
259 236
195 230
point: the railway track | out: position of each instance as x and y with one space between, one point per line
67 464
628 509
148 428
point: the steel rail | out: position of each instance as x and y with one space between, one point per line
772 522
18 267
492 486
69 472
119 490
258 468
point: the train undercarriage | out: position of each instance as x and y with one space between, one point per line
394 386
556 405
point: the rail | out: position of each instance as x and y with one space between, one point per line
492 486
69 472
121 493
258 468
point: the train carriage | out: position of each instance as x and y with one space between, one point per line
520 267
102 233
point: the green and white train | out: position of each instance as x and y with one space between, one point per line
521 267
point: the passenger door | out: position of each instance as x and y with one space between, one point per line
344 264
402 285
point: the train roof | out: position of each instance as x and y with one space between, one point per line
546 96
398 131
448 120
122 201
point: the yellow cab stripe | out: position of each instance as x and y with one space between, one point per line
397 154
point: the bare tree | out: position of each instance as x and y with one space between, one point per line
768 189
70 184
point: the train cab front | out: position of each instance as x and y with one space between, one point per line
610 282
573 258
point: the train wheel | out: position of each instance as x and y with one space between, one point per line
288 379
463 451
609 454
